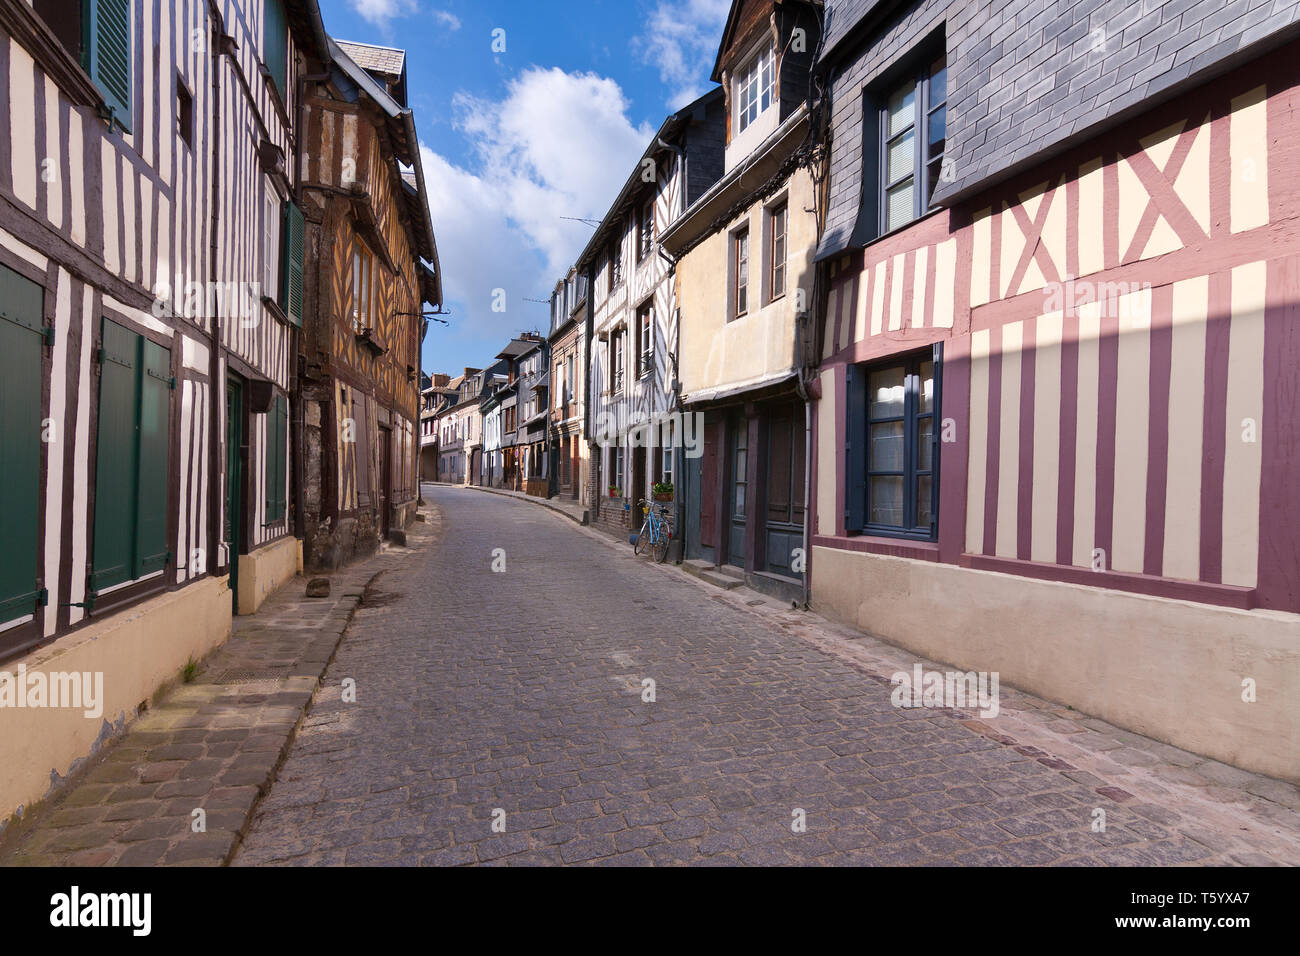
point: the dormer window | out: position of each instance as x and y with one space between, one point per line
754 86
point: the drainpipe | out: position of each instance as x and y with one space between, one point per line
800 343
216 387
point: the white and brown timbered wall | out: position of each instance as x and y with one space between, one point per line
111 248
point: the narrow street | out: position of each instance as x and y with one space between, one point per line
517 696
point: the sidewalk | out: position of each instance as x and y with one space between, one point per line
212 745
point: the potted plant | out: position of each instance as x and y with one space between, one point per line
615 491
663 491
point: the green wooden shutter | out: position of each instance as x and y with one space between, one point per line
21 338
275 45
277 433
107 43
291 274
151 482
855 447
116 459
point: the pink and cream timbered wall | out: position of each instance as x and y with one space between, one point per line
1120 356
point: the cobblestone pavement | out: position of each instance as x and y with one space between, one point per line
211 745
517 696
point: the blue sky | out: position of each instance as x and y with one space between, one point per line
512 142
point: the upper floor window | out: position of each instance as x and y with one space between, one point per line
568 379
645 230
645 321
271 219
616 360
363 267
97 34
754 85
777 222
740 251
615 265
913 130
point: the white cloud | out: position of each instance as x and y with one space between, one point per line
558 144
681 39
447 19
380 12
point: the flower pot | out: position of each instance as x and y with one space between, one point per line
663 496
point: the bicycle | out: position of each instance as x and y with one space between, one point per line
655 534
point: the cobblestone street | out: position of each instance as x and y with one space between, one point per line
481 692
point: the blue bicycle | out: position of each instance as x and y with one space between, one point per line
655 532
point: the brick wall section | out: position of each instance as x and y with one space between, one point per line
1029 76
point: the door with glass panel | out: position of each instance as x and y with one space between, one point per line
739 488
901 448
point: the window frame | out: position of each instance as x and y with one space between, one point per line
645 230
739 239
272 251
748 89
645 338
615 265
363 267
911 417
616 361
778 264
920 64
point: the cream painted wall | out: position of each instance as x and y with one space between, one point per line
1168 669
716 352
264 570
137 651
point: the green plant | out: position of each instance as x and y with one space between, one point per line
663 488
191 670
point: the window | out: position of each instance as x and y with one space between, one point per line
615 266
616 360
130 536
912 138
277 444
271 257
363 266
22 348
568 379
776 252
740 243
618 466
275 46
670 445
97 34
645 321
645 230
753 89
184 112
901 400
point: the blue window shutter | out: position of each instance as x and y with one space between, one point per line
277 435
107 43
855 447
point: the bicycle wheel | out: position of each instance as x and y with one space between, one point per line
661 544
642 538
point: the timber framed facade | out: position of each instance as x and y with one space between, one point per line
152 296
1053 437
372 266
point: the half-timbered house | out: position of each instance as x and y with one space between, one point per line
150 293
567 344
372 267
632 314
1056 435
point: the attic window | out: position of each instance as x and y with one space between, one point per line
754 85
